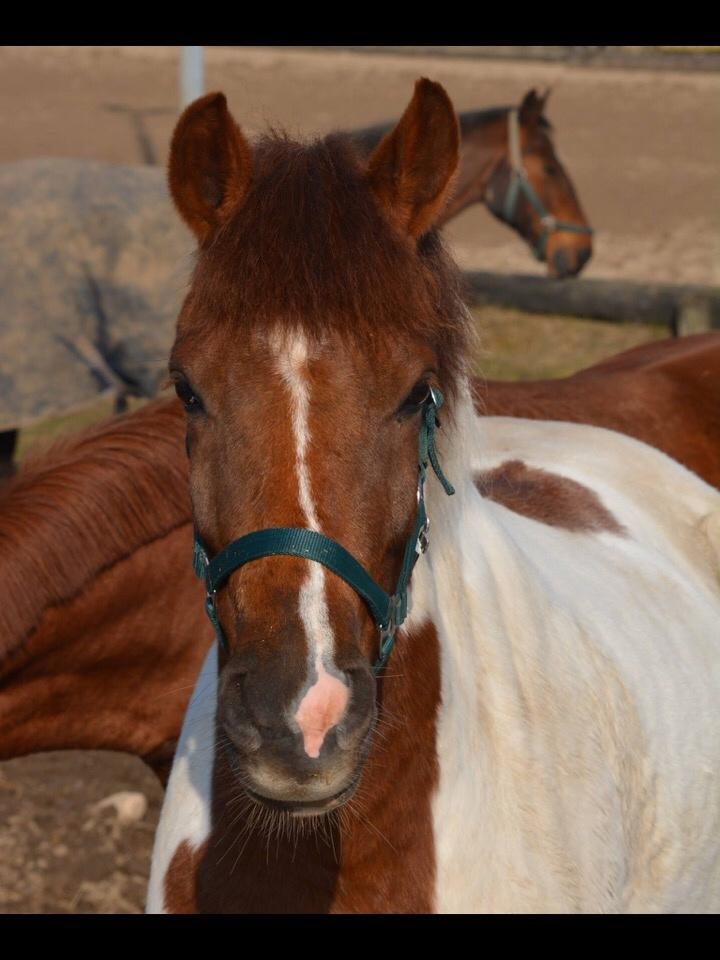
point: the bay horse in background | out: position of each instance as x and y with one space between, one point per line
544 735
508 162
102 635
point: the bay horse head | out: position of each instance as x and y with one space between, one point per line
322 328
530 191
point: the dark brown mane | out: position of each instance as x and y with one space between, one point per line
309 247
85 504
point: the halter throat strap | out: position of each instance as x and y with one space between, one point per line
520 183
387 610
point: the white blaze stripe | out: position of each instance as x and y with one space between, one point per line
291 356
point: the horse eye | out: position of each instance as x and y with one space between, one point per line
190 401
414 400
550 170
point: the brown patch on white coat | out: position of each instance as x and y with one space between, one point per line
546 497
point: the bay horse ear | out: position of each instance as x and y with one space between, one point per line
412 168
532 106
210 164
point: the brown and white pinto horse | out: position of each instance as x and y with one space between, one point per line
545 736
500 148
100 648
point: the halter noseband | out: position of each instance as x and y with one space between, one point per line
520 183
387 611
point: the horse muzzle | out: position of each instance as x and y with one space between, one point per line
304 755
569 261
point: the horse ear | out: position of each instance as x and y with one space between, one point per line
412 167
532 106
210 164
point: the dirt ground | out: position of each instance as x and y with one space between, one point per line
642 147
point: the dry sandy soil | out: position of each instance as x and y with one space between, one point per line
642 147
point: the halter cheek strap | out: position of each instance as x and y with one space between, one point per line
388 611
519 183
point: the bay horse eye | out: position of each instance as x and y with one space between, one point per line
190 401
550 170
414 400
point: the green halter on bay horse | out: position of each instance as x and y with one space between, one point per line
543 735
508 162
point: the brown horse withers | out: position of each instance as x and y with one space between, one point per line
508 162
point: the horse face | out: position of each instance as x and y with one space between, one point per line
317 434
565 251
305 350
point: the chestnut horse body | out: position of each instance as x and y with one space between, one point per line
101 638
544 736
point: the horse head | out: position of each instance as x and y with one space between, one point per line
322 325
531 191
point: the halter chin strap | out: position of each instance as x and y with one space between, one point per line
519 183
388 611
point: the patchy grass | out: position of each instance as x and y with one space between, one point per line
513 346
519 346
43 434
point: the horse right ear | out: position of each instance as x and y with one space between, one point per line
210 165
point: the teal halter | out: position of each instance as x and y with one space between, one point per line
387 611
519 183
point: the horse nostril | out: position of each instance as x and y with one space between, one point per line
561 263
569 262
582 257
237 719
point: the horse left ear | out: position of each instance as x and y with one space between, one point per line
210 164
412 168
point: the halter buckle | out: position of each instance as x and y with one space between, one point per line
549 222
423 540
387 634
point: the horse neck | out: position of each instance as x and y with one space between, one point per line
102 672
481 151
453 585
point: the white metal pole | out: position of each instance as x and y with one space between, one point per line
192 84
